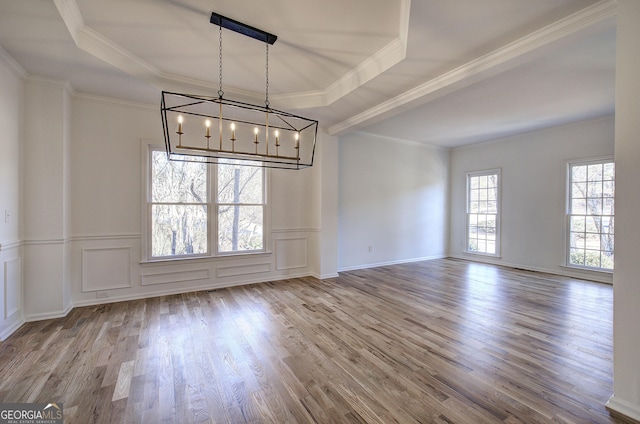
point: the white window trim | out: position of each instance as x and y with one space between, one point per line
146 146
567 209
481 173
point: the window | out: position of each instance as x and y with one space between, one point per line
240 207
190 204
483 217
590 214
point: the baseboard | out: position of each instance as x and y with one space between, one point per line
325 276
49 315
623 409
139 296
398 262
4 335
567 272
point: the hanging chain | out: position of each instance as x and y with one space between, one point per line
266 99
220 92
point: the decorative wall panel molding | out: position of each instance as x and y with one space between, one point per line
12 284
174 277
291 253
106 268
235 270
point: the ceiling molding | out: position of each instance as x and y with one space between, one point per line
390 55
20 72
482 67
103 48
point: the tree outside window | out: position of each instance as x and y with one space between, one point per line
184 217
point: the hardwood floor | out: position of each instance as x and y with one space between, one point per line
442 341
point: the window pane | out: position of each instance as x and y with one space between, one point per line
578 223
576 240
482 181
594 189
593 224
177 182
594 172
579 206
239 184
609 171
473 183
239 228
576 257
178 230
579 173
579 190
594 206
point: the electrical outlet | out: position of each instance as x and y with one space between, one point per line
370 248
102 295
7 216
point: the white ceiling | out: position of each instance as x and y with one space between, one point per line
443 72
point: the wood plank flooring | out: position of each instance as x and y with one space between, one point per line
441 341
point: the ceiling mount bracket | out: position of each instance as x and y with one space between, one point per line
241 28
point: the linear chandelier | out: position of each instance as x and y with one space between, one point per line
255 134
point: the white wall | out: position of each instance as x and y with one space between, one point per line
11 100
626 287
392 197
108 139
45 147
533 191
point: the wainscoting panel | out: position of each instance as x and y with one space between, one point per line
291 253
236 270
12 284
106 268
174 277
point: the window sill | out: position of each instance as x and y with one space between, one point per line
200 259
584 268
486 255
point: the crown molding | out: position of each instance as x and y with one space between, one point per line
13 65
482 67
94 43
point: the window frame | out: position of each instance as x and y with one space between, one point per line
468 213
568 212
147 147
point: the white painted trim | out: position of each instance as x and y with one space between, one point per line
7 332
96 44
149 295
587 275
174 277
49 315
623 407
15 67
38 242
325 276
379 264
122 285
96 98
7 311
104 237
295 230
243 269
14 244
482 67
